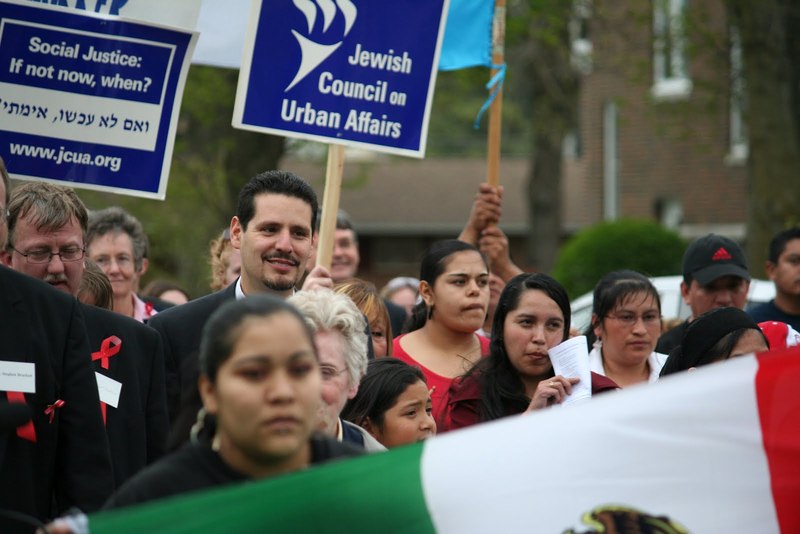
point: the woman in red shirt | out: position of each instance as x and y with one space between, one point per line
441 338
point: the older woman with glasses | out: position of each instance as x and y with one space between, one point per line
117 243
626 319
341 341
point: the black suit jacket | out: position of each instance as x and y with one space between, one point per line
181 328
137 427
69 465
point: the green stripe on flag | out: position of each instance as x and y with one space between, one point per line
345 496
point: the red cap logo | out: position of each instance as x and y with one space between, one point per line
721 254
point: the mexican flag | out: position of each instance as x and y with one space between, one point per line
714 450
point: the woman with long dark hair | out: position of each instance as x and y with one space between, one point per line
532 316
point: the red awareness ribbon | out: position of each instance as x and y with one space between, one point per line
51 409
26 431
108 348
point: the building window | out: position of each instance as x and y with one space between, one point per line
670 73
669 212
581 43
738 147
572 147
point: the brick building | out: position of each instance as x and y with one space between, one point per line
660 135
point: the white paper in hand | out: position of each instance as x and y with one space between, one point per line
571 359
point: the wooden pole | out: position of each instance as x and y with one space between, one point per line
496 109
330 204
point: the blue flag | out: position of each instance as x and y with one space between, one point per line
468 35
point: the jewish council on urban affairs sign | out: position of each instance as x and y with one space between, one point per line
353 72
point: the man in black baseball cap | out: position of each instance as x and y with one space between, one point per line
714 276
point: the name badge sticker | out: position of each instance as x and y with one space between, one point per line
18 376
109 389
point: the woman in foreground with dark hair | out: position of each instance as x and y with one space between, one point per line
261 387
393 404
533 315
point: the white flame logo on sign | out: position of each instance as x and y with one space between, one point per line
314 53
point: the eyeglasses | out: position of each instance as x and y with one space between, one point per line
44 256
123 262
630 319
329 372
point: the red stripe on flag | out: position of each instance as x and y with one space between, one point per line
778 396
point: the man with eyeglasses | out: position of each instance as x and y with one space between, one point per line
715 275
46 239
57 457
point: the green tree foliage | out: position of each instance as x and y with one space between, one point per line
643 246
457 100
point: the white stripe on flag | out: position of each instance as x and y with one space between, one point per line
688 447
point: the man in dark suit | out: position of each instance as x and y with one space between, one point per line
274 230
47 225
60 458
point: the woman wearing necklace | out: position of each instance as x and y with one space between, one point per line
626 318
441 336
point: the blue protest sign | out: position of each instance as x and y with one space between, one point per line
88 100
354 72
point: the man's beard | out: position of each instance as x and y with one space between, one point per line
279 285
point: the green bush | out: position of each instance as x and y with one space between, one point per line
643 246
